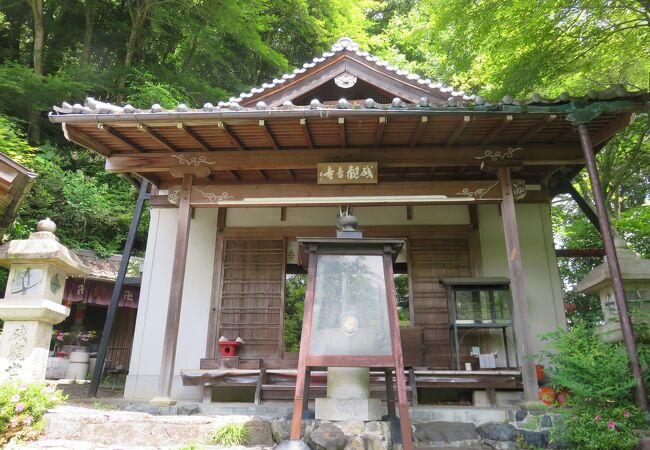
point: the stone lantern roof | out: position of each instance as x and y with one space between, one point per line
633 267
42 247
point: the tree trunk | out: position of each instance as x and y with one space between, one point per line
138 12
89 11
39 42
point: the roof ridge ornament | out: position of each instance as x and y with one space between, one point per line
345 43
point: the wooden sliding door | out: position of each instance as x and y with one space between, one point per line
252 291
430 260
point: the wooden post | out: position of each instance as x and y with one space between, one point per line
175 293
517 286
614 268
305 341
217 276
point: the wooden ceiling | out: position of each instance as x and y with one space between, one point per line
284 148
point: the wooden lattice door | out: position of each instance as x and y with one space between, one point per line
252 294
430 260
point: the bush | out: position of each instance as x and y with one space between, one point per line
229 435
596 373
22 407
600 383
611 428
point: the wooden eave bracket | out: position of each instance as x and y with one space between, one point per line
490 166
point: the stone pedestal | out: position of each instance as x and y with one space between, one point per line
348 396
636 279
38 267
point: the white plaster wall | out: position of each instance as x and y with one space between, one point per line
542 278
367 215
143 378
541 274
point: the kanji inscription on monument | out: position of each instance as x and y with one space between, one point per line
347 173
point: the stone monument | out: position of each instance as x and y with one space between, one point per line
636 279
38 267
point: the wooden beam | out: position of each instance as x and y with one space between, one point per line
230 135
128 143
156 136
539 126
283 214
409 212
580 201
192 135
432 170
472 211
303 194
458 130
562 135
381 125
77 136
269 135
517 287
579 252
494 132
342 137
306 133
262 174
422 125
610 130
429 156
176 290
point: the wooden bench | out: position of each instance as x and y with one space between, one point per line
278 385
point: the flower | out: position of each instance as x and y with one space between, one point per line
23 387
49 389
13 422
611 425
27 420
627 414
597 418
19 407
15 398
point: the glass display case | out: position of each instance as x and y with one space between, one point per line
480 322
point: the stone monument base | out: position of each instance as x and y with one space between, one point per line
365 409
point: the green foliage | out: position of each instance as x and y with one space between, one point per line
22 407
402 297
599 382
294 303
192 446
610 428
92 209
596 373
13 143
229 435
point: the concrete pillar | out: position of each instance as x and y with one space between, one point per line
348 396
38 267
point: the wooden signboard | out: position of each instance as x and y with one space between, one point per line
347 173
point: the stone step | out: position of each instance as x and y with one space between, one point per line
129 429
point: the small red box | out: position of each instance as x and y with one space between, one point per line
228 348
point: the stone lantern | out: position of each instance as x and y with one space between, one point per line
636 279
38 267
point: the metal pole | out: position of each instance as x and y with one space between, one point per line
117 290
614 268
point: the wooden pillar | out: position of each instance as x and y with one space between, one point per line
217 276
614 268
517 286
175 294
